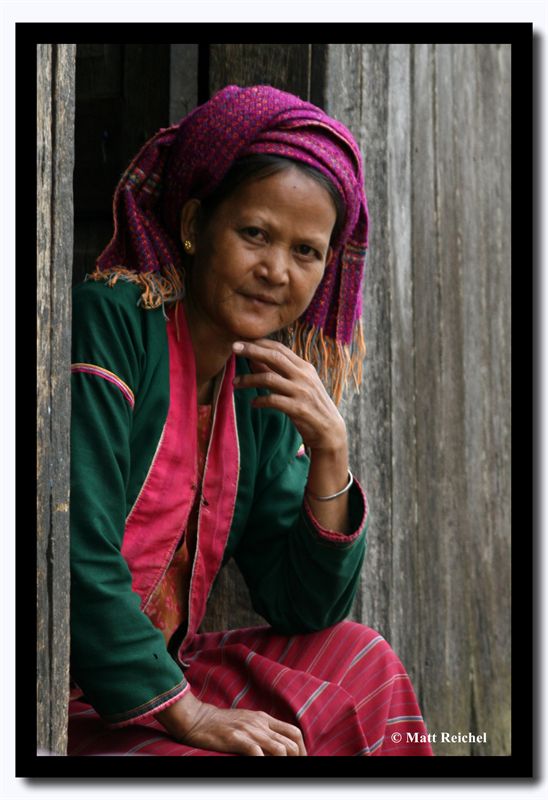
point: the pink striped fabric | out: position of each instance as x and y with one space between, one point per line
344 687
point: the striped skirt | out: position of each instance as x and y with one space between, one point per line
344 687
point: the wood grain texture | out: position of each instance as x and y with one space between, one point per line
358 94
285 66
433 124
44 169
183 80
55 154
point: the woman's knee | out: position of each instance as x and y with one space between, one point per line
363 639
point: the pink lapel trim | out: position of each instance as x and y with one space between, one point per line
160 513
158 517
219 490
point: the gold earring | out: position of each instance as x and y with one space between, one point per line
187 244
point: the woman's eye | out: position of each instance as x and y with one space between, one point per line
254 233
307 251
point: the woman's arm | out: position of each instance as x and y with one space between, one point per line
296 389
328 475
118 657
302 574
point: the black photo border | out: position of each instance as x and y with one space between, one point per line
524 759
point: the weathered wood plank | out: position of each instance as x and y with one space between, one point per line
440 422
183 80
56 65
285 66
483 162
472 605
144 111
404 606
427 369
435 425
43 402
357 93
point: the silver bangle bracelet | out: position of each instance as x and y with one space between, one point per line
337 494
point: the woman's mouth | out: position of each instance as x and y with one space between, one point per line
261 299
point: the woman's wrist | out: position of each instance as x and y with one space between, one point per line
328 475
328 471
327 498
179 718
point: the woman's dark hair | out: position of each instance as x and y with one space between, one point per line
261 165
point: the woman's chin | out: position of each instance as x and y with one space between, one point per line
250 335
252 331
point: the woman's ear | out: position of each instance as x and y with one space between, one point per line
328 256
189 224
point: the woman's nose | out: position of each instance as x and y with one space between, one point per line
274 266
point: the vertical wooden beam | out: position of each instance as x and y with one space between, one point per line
441 490
357 93
430 430
482 165
405 608
183 80
285 66
55 147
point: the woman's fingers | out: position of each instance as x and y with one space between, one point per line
276 368
244 744
266 379
241 731
273 355
288 746
272 743
290 733
274 737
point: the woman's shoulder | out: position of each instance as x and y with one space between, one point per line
108 318
97 293
117 304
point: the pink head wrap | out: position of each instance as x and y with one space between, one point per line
190 158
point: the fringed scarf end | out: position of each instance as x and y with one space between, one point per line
337 364
157 288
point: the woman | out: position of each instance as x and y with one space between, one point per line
202 431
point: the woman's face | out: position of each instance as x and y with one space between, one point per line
258 261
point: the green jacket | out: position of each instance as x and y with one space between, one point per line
132 461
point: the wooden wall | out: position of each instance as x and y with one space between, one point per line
429 433
55 157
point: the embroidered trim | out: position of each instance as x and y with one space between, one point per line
146 709
153 462
101 372
330 537
234 502
216 394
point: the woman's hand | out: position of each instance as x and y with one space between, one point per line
296 389
232 730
